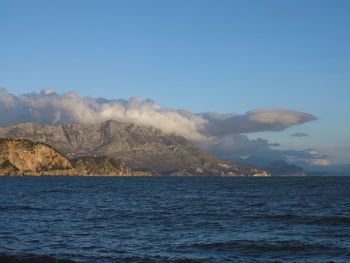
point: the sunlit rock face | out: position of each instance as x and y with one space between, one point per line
19 157
24 157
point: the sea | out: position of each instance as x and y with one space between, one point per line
174 219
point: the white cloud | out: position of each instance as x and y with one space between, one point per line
49 107
254 121
321 162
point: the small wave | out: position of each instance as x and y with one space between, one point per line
338 220
52 191
317 220
262 246
3 208
31 259
23 207
154 259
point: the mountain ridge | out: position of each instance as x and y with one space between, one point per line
139 147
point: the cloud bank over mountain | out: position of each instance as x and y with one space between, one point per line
224 135
230 146
49 107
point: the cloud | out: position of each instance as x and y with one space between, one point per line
254 121
237 145
320 162
49 107
231 146
299 135
309 156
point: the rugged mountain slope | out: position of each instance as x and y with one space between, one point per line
24 157
100 166
139 147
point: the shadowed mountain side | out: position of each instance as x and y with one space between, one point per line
139 147
281 168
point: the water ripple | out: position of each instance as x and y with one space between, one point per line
197 219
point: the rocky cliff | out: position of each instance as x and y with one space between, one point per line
20 157
24 157
141 148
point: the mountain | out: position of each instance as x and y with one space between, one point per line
326 170
141 148
281 168
275 167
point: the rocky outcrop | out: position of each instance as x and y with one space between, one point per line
20 157
24 157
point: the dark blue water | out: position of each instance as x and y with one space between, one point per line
162 219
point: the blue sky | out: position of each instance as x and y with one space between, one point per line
224 56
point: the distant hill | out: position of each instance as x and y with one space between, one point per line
140 148
281 168
275 167
326 170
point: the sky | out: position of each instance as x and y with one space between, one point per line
202 56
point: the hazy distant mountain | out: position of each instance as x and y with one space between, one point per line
275 167
139 147
281 168
326 170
